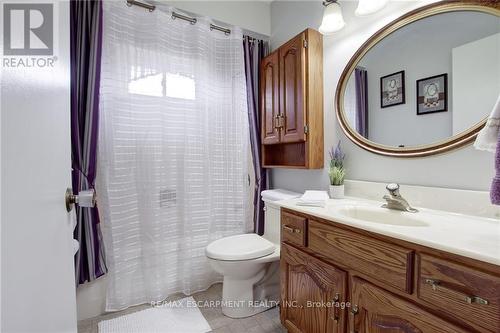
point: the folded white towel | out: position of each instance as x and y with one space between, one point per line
487 138
313 198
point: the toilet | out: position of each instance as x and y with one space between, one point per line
249 263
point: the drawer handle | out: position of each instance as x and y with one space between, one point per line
436 285
352 321
290 229
277 122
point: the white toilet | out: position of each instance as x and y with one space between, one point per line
250 263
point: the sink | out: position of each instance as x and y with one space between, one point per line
382 216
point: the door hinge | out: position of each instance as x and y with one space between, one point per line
306 129
305 43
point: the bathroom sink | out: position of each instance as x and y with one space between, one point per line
382 216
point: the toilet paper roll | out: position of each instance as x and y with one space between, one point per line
86 198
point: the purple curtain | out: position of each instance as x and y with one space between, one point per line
255 50
86 42
361 83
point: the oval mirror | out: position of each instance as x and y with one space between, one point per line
425 83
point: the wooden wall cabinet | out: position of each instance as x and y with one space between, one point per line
387 285
291 90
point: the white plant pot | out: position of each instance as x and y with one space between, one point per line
336 191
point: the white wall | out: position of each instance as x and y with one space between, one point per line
251 15
469 73
464 168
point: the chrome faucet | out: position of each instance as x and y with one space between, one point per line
395 200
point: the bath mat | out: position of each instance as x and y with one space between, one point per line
182 316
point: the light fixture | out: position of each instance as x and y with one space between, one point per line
367 7
332 18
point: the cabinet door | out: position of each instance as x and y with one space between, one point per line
292 89
311 293
374 310
269 88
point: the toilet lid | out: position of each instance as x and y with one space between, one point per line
240 247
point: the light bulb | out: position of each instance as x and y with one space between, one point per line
332 19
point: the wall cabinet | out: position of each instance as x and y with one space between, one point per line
291 90
270 99
387 285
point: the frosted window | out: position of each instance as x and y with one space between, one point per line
180 86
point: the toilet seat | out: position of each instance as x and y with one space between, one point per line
240 247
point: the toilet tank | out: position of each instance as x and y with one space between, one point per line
272 214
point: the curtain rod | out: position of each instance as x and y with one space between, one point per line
175 15
149 7
193 20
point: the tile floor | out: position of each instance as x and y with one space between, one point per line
265 322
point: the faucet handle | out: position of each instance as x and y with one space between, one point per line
393 188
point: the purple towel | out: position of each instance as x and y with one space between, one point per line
495 185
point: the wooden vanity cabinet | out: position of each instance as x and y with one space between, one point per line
291 103
375 310
310 290
389 285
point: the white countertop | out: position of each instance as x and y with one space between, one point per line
465 235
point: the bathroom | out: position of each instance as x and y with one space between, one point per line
250 166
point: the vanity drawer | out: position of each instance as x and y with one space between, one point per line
293 229
460 291
388 263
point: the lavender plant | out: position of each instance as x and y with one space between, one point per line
336 172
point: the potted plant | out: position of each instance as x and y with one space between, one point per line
336 173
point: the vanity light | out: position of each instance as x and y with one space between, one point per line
367 7
332 18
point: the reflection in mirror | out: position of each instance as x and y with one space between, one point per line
427 81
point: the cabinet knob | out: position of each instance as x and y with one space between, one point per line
336 316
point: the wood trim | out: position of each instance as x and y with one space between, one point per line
457 141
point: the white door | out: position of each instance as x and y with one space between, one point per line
37 274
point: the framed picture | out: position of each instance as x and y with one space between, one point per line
432 94
392 89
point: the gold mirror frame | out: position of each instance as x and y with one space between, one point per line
456 141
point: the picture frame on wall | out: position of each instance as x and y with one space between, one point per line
392 89
432 94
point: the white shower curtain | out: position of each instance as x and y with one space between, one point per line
173 151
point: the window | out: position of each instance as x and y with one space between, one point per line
173 85
179 86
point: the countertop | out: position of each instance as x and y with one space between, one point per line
465 235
